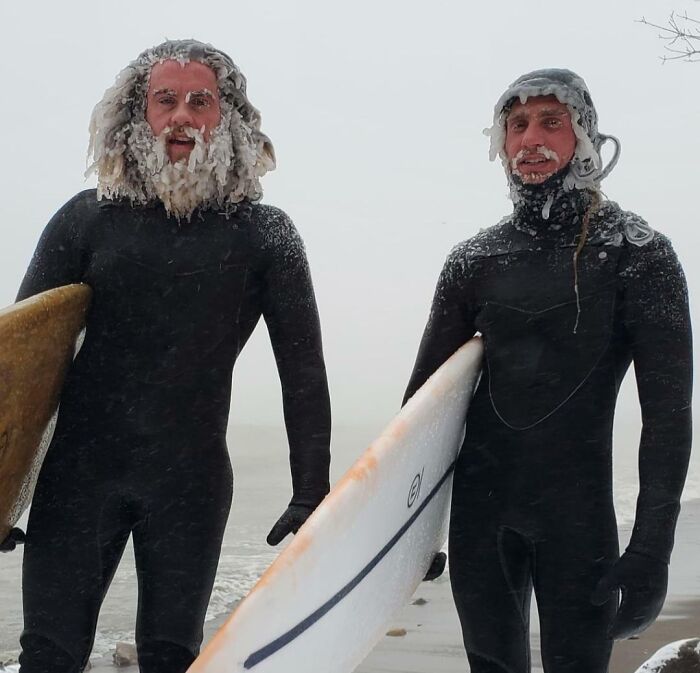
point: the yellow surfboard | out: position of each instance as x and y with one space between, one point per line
37 345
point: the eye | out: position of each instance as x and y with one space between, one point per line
517 126
552 122
165 100
200 101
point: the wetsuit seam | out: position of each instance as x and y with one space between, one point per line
240 310
520 605
79 662
580 385
490 302
493 660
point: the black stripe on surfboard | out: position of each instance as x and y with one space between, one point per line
293 633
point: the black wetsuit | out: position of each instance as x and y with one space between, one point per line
532 502
140 442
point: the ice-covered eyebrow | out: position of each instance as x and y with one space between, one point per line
199 92
161 92
544 112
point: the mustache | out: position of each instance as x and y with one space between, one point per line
180 132
540 151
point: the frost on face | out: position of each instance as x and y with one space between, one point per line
585 169
130 163
202 93
182 186
524 157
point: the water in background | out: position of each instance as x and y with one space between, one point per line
262 490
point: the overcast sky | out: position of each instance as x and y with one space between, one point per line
376 111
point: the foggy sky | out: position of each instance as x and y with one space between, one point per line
376 111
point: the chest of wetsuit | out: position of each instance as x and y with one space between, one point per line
558 339
173 305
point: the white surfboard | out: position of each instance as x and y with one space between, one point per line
328 597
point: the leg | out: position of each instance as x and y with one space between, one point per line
573 630
177 549
491 584
74 542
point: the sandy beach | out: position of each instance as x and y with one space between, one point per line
425 636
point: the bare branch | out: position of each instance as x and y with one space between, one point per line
681 35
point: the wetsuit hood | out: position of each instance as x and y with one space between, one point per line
585 170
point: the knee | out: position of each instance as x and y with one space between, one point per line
42 655
161 656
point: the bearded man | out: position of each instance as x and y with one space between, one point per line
566 291
183 261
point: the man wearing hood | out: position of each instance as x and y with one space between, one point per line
183 260
566 291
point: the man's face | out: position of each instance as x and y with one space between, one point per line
540 139
181 97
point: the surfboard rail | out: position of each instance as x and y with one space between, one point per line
37 344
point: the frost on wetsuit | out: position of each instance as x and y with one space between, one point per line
140 442
532 501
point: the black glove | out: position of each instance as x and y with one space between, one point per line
437 567
14 537
290 522
643 581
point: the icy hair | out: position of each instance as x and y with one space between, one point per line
585 168
120 118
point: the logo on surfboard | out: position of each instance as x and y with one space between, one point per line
414 491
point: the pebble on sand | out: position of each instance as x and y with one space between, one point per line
125 655
396 633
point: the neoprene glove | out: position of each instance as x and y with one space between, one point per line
437 567
290 522
643 581
14 537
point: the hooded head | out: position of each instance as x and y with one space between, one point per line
585 169
225 163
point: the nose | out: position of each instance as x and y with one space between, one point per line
181 115
533 136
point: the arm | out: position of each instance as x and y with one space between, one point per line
59 258
450 323
658 323
289 309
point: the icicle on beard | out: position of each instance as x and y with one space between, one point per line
533 178
188 183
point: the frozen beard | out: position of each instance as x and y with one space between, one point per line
524 158
201 179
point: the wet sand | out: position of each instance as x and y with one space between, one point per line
428 638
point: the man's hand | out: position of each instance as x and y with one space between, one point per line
437 567
14 537
290 522
643 581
